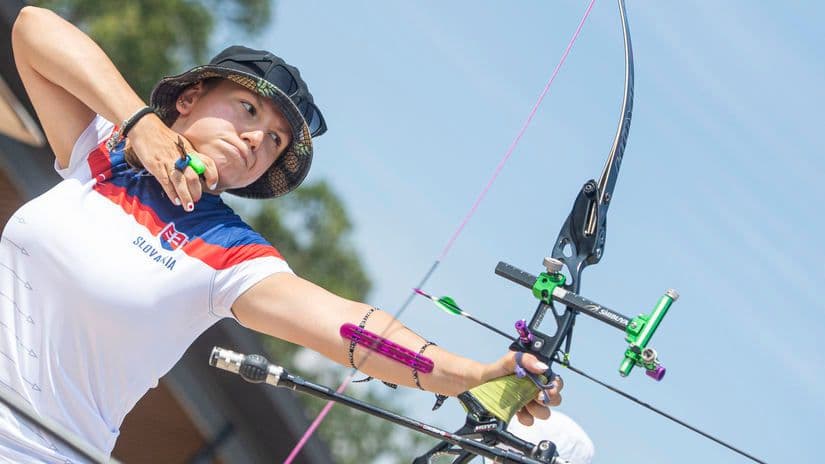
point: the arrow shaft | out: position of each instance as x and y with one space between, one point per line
500 332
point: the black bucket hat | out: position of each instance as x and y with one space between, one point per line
271 77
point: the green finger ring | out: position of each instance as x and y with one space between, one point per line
196 164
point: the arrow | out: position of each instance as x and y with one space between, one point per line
449 306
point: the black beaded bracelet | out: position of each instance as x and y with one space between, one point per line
130 122
439 399
352 342
415 369
351 352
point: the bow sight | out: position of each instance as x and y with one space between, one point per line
549 287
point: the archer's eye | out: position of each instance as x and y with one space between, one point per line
249 108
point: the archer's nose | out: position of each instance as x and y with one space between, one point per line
253 139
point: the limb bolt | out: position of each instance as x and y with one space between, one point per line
552 265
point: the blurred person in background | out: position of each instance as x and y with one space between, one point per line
572 442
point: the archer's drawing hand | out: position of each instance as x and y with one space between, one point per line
156 148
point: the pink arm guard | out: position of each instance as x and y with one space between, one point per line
384 347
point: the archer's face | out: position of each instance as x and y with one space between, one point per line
242 132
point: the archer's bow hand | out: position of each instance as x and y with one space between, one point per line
504 395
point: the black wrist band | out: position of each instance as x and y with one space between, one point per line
130 122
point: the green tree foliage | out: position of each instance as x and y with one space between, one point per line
311 228
149 39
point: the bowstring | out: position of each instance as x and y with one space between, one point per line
628 396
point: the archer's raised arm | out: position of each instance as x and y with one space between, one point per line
68 77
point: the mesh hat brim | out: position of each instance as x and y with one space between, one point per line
290 169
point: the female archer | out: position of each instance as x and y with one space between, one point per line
135 244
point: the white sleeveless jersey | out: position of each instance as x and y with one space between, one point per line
104 283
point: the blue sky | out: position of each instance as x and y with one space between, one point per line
719 194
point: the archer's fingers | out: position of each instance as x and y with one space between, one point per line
537 410
181 185
532 364
524 417
193 183
552 395
165 179
559 383
210 175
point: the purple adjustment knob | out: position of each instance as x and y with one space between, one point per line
656 373
523 332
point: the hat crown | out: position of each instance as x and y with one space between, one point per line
267 66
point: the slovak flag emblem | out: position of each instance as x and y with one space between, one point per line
171 239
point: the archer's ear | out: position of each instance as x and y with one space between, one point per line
189 97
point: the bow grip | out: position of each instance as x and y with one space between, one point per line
504 396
